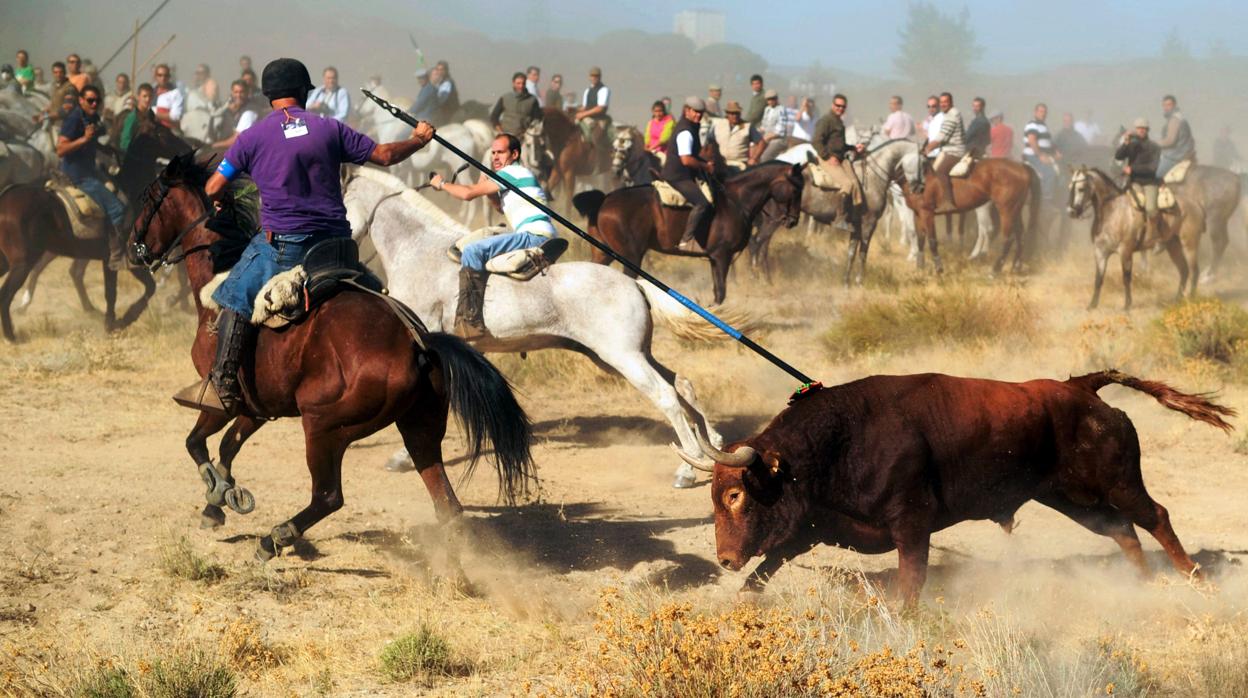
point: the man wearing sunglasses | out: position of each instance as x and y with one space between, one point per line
76 148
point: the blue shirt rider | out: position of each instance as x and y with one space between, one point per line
294 158
531 226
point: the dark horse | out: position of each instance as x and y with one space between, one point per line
632 221
573 156
1005 183
348 370
34 223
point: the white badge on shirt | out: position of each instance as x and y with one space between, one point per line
295 128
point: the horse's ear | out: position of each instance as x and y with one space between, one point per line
796 170
811 157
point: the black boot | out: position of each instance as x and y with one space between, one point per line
234 333
469 318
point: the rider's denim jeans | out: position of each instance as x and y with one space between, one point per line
260 262
1047 173
478 253
107 200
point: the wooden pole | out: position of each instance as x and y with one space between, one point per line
133 36
134 59
154 55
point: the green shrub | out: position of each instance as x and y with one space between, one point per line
191 675
420 655
1206 329
106 682
180 560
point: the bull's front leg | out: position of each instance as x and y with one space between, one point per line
913 548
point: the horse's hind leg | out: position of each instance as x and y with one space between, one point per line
325 449
16 277
423 428
1174 247
28 293
78 273
1128 260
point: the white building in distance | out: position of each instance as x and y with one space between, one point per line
703 27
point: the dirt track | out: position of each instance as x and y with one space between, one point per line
97 482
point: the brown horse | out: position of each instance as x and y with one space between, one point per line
1118 226
348 370
33 221
573 156
1006 183
632 221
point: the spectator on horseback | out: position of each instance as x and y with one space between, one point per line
932 123
515 111
951 143
330 99
24 73
596 100
554 97
803 118
294 157
446 95
979 131
237 117
775 128
76 146
169 100
138 120
1069 142
758 101
75 73
832 149
714 93
659 130
1038 150
62 90
115 103
1142 157
685 167
532 82
1001 136
734 136
1176 141
426 98
530 228
898 124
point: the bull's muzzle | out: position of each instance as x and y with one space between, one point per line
731 560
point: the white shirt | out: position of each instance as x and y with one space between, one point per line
336 104
803 125
522 216
1090 130
604 97
934 123
684 144
172 102
245 121
533 90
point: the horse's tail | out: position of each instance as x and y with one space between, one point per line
684 323
587 203
482 400
1198 406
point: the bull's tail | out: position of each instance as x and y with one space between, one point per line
1198 406
587 203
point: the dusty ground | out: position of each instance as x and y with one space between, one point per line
97 487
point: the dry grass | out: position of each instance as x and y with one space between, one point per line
180 560
423 656
951 313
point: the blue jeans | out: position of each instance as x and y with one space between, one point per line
1047 172
260 262
113 208
478 253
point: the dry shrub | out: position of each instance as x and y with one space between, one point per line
422 656
952 313
179 559
191 673
243 646
1206 329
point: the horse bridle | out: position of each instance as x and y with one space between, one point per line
151 205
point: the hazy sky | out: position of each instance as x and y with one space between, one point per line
858 36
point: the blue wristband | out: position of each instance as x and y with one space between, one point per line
225 169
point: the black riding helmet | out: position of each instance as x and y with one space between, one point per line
285 77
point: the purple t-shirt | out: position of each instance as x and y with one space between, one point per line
294 157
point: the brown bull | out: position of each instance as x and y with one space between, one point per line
881 463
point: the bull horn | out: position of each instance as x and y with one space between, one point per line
740 458
705 466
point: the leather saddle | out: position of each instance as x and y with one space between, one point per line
328 267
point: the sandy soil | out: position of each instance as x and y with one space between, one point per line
97 483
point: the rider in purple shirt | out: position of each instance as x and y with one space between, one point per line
294 158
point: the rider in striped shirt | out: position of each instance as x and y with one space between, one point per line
532 228
1038 150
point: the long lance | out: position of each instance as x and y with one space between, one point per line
133 37
808 383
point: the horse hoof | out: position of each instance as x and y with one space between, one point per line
265 549
211 517
240 500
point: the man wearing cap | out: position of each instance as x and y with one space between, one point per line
830 145
714 93
294 157
734 137
530 225
684 167
426 98
1143 157
775 128
594 104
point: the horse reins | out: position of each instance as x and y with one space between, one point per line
167 258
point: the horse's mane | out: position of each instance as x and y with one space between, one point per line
755 168
185 169
1105 177
409 196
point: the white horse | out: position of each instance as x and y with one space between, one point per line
584 307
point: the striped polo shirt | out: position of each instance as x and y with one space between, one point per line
1044 139
522 216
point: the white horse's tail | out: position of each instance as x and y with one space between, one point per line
687 325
